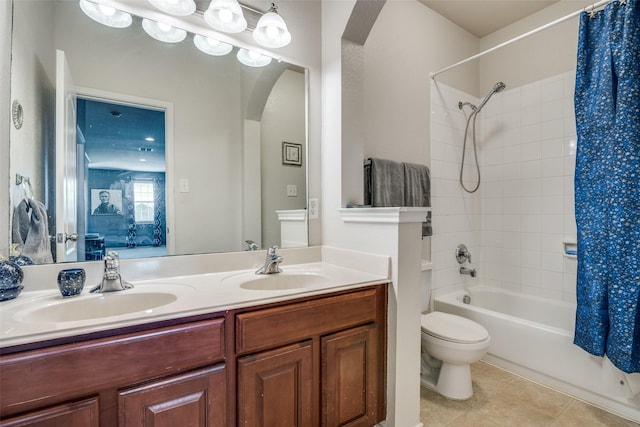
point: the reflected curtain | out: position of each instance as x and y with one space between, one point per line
607 184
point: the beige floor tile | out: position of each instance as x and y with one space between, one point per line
502 399
580 414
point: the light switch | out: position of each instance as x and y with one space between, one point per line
292 190
313 208
184 185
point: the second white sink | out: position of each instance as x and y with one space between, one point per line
279 281
102 305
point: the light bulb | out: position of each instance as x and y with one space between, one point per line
211 46
225 15
106 15
106 10
272 32
164 27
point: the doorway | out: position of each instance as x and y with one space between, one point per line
122 179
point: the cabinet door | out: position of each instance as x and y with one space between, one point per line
350 369
77 414
196 399
275 388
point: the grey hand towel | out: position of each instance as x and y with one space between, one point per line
418 191
417 184
37 245
20 224
387 183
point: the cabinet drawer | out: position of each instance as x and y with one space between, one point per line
41 377
84 413
270 327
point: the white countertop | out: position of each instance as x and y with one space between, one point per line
21 322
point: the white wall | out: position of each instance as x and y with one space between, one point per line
528 159
542 55
5 111
283 119
456 214
387 114
33 59
405 45
515 225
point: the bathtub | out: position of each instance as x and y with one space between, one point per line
533 337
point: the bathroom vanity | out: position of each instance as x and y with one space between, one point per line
309 360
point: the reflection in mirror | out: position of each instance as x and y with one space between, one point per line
226 166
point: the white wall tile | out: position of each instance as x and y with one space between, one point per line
524 208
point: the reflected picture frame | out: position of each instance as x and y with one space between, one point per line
113 203
291 153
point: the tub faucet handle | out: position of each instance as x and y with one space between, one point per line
462 254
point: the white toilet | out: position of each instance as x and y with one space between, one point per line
450 344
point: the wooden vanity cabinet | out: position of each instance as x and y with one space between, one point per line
175 371
314 361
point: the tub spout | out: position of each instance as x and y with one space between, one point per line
468 271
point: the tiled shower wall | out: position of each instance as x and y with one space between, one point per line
517 222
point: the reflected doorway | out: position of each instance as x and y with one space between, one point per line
122 179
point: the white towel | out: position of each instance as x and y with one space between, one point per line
37 245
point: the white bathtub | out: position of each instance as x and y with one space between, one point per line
533 337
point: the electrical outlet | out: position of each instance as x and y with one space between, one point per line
292 190
183 185
313 208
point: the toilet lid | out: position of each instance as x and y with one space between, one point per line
453 328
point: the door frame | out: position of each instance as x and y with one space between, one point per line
153 104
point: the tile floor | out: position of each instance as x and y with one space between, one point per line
503 399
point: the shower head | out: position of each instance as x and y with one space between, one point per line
498 87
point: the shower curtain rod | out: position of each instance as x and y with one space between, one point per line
527 34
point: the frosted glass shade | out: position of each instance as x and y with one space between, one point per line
106 15
225 16
271 30
163 32
211 46
175 7
253 59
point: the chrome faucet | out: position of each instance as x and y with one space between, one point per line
111 279
468 271
272 263
251 245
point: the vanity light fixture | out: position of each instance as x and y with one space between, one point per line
175 7
163 32
106 15
271 30
225 16
253 59
211 46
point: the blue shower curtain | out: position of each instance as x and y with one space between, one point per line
607 184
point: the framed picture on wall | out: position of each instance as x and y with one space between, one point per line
291 153
106 202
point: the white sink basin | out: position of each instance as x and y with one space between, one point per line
142 299
278 281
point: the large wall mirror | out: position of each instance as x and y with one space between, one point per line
156 148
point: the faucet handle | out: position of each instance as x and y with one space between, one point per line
273 251
112 261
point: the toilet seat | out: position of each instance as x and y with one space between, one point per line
450 327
